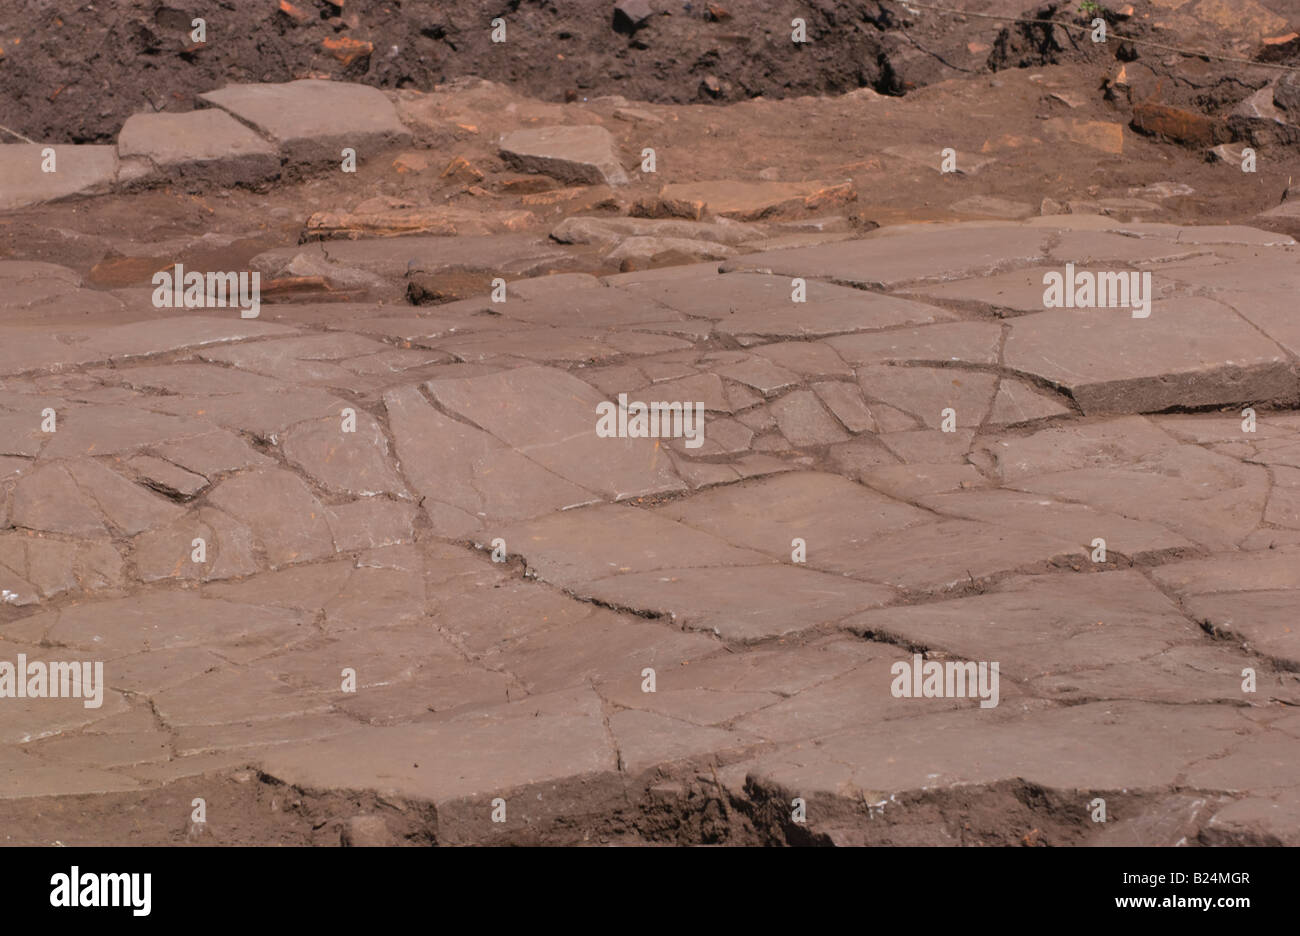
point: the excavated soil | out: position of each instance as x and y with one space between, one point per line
73 72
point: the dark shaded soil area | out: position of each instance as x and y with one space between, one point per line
79 71
73 72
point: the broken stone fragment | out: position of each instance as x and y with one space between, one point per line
584 155
168 478
347 50
1226 152
1286 95
313 121
1179 126
631 15
203 146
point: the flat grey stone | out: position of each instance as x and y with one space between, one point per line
203 146
1189 352
79 170
313 121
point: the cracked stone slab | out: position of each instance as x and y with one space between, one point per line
191 331
1262 762
606 649
915 482
210 453
1016 402
943 555
1189 352
115 430
846 403
807 358
300 360
890 257
42 292
194 378
803 420
844 701
966 342
167 552
578 546
165 620
50 499
207 146
468 480
1139 472
313 120
1184 674
607 308
392 258
719 600
1036 513
1127 246
23 351
751 305
483 754
285 517
550 417
836 518
1256 820
371 523
1108 443
129 507
33 567
168 478
1244 596
1096 746
1263 621
647 740
345 458
1043 625
927 392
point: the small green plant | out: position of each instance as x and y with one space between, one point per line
1091 8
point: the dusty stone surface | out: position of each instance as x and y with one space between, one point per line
398 549
77 170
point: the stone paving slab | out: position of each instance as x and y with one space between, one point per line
203 146
518 254
76 170
420 496
312 120
1060 749
1113 363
